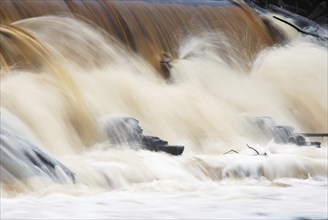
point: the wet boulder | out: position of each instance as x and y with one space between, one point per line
266 128
22 158
126 130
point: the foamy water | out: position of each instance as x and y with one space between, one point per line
162 200
205 107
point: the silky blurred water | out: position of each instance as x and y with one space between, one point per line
290 199
203 107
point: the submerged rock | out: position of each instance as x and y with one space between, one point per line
126 130
22 158
281 134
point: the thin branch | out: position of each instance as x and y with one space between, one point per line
253 149
299 29
231 151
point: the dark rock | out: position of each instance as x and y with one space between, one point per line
126 130
156 144
308 17
22 158
316 144
316 10
297 139
281 134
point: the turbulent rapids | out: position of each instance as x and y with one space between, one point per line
155 31
98 96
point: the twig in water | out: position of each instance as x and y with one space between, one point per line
231 151
299 29
253 149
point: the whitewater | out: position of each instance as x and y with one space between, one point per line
205 106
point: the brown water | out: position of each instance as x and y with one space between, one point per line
60 77
153 30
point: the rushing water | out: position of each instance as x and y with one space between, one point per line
76 76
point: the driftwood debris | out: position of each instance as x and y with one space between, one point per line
257 153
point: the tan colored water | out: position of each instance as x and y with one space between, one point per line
204 106
152 30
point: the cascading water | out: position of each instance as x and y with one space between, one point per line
194 74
